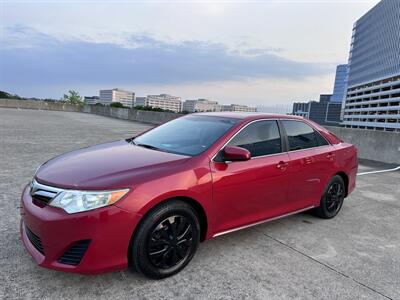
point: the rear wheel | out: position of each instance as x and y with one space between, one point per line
166 240
332 199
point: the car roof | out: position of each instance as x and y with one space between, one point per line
248 115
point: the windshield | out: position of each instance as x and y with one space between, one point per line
190 135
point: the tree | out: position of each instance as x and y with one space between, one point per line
73 97
6 95
150 108
117 104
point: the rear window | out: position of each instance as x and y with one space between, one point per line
302 136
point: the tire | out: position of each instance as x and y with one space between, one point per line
166 240
332 198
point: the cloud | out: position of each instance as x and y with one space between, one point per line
29 57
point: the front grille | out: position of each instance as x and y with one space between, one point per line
35 240
74 254
43 193
42 199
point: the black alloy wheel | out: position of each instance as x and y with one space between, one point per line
332 199
170 242
166 240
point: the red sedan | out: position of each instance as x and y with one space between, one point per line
148 201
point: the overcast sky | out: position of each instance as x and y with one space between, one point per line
250 52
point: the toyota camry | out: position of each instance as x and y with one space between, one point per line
148 201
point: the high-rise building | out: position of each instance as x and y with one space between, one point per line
140 101
339 89
302 109
200 105
238 107
127 98
323 98
90 100
373 88
163 101
324 111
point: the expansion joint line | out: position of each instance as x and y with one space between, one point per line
327 266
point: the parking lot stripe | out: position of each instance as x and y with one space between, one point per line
380 171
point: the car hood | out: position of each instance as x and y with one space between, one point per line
107 166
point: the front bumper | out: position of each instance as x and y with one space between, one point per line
109 230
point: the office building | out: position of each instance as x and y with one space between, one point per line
127 98
238 107
90 100
163 101
324 98
373 87
140 101
301 109
324 111
339 89
200 105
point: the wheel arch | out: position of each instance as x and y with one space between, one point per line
203 221
199 209
346 181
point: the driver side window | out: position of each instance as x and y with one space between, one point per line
260 138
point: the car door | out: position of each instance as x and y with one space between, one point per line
312 163
246 192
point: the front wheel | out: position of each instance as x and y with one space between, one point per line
332 199
166 240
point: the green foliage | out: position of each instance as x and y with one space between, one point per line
150 108
117 104
72 97
5 95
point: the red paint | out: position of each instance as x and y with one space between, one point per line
232 194
236 154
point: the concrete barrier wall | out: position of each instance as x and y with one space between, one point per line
31 104
372 145
144 116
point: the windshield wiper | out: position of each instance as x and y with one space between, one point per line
148 146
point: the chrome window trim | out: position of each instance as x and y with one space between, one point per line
262 156
254 121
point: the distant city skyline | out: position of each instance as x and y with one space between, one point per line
255 54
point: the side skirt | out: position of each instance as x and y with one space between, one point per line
263 221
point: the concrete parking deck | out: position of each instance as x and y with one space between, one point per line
355 255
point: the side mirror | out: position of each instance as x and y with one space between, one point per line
232 153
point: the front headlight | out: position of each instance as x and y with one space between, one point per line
78 201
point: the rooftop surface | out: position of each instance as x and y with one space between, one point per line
355 255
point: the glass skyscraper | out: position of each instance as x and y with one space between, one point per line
373 86
339 90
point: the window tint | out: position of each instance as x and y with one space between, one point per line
302 136
260 138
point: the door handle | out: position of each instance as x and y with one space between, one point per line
282 165
308 160
330 156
